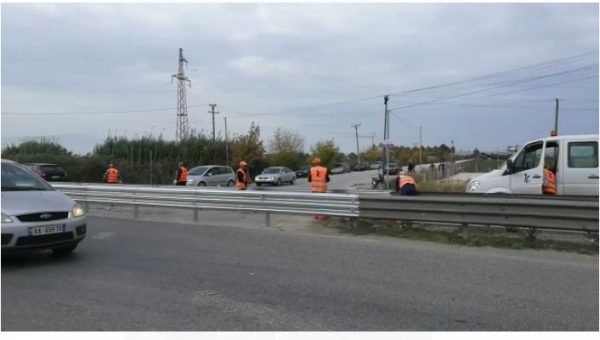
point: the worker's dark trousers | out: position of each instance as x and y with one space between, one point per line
408 190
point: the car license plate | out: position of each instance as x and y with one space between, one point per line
55 177
49 229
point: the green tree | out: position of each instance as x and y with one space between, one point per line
327 151
249 147
286 149
371 155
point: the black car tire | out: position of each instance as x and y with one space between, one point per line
278 182
258 184
293 180
201 184
230 183
64 250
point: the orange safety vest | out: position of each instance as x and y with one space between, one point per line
183 174
244 183
404 180
112 175
318 179
549 186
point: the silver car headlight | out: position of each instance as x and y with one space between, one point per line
77 211
472 186
6 219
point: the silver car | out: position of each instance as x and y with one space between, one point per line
275 175
211 175
34 215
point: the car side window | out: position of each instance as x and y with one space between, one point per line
583 155
529 157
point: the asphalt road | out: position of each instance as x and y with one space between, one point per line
138 275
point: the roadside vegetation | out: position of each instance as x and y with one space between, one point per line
153 159
511 238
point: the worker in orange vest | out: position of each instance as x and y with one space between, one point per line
111 175
549 184
318 176
182 175
406 185
241 177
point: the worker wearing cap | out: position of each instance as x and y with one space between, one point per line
182 175
111 175
318 176
241 178
406 185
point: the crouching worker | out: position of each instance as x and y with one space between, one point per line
406 185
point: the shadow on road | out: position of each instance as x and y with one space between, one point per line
14 259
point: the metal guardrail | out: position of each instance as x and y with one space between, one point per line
544 212
541 212
345 205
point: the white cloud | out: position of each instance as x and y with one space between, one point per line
261 67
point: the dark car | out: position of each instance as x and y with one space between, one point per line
49 172
361 167
302 171
393 169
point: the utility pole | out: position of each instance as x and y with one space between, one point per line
556 118
181 128
373 139
385 156
420 144
226 142
355 126
212 106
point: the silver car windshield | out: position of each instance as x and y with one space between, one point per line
272 171
197 171
15 178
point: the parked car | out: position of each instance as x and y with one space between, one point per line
361 167
302 171
340 168
275 175
573 158
375 165
34 215
49 172
393 169
211 175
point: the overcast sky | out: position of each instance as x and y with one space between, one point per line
82 72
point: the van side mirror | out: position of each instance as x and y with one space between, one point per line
510 166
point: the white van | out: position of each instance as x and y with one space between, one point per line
574 160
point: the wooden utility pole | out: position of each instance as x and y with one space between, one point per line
556 118
355 126
212 106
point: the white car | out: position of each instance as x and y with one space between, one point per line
275 175
34 215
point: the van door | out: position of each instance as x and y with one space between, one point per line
581 173
527 173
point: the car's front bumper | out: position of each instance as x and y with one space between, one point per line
16 235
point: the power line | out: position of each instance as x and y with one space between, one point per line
243 114
496 87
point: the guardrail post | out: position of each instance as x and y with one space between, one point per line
267 214
196 214
136 209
